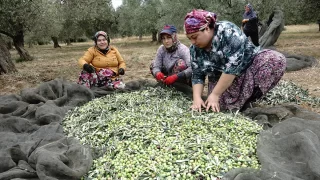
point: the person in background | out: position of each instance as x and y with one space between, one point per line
238 71
102 64
250 24
172 61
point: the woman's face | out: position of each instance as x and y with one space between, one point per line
201 39
102 42
167 40
247 8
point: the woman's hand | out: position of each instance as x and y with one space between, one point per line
197 104
213 102
121 71
89 68
160 76
222 85
245 20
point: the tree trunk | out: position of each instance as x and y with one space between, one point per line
154 36
140 37
68 42
6 65
18 43
9 45
159 39
55 42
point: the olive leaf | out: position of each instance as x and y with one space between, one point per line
152 134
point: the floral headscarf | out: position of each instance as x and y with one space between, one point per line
101 33
198 20
95 38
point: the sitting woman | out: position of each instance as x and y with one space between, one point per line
238 71
172 62
102 64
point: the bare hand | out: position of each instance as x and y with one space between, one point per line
245 20
197 105
213 102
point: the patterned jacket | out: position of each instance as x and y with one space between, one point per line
231 53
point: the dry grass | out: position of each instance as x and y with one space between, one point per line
50 63
305 40
302 28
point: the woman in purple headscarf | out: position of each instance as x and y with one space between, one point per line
250 24
238 71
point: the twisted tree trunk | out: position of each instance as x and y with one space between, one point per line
18 43
6 65
68 42
55 42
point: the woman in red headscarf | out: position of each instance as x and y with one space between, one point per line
102 64
238 71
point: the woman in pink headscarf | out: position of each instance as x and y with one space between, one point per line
238 71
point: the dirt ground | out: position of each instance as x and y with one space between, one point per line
303 40
50 63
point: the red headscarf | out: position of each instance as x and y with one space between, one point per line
198 20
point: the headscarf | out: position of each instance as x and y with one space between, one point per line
95 38
198 20
250 14
172 31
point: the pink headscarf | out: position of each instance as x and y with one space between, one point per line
198 20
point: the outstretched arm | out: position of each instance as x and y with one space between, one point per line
197 103
223 84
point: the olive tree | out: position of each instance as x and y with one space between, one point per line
16 18
6 65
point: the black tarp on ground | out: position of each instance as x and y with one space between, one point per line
33 146
289 148
297 62
32 143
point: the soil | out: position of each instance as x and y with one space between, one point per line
50 63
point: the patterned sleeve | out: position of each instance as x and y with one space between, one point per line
235 48
185 55
198 75
158 61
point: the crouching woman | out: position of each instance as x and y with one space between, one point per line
238 71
